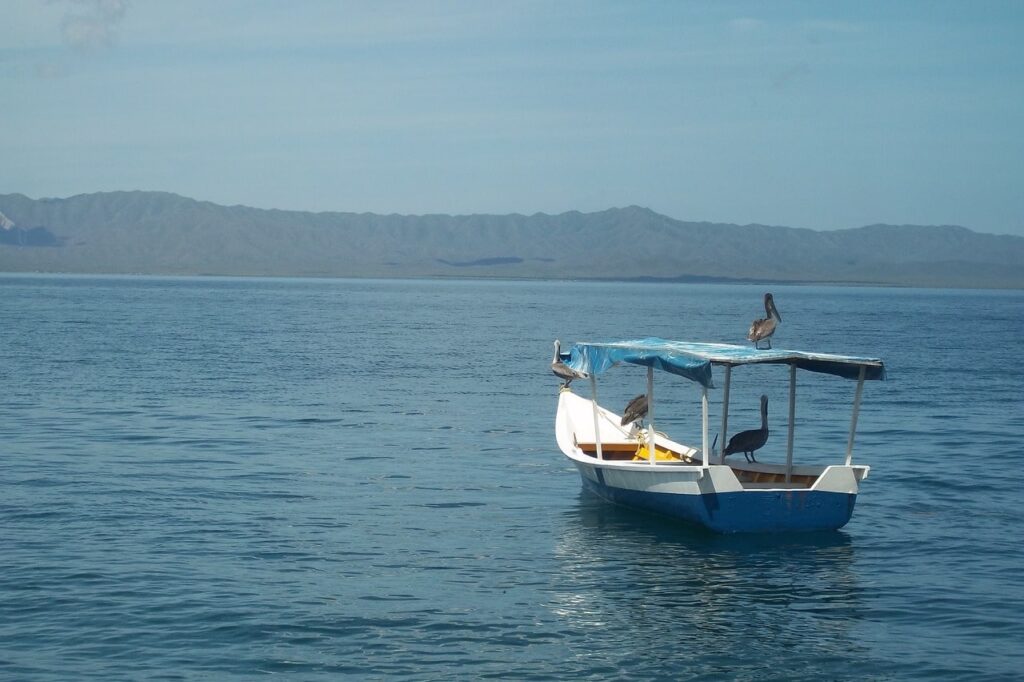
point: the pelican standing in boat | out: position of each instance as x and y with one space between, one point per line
749 441
562 370
761 330
636 409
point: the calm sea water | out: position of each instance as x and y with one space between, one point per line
223 478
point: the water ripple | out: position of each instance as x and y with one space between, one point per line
222 479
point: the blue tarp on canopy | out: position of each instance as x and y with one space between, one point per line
595 358
694 360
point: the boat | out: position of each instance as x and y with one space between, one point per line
698 484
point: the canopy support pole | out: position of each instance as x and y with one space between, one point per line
792 422
650 414
705 453
725 414
856 412
597 427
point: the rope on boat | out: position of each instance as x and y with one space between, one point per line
642 445
641 436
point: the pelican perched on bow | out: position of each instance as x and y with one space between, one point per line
635 409
749 441
562 370
763 329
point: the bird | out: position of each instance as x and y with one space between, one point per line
562 370
763 329
749 441
635 410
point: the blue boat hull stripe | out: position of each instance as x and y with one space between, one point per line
739 512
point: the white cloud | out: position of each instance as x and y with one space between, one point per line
92 24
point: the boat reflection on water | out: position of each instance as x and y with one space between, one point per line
739 602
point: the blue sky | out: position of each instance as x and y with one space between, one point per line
808 114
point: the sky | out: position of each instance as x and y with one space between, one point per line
806 114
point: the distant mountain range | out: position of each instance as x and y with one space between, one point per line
161 233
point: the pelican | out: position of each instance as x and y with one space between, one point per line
763 329
635 409
748 441
562 370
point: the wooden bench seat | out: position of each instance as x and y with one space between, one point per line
627 451
769 478
613 451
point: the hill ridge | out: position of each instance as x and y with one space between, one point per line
149 232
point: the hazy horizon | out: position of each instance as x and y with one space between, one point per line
510 213
820 117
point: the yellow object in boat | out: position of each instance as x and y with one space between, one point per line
660 455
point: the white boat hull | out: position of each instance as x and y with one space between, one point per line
744 497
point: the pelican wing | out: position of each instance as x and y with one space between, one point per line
761 329
635 409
